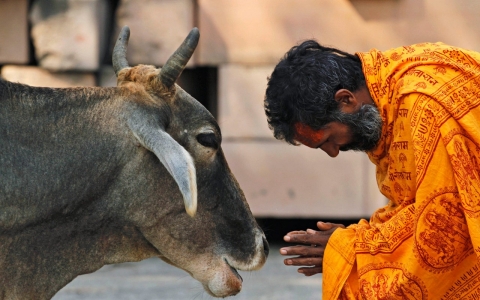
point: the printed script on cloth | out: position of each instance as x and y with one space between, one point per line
425 244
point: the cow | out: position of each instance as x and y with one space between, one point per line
102 175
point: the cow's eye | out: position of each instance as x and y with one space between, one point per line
208 140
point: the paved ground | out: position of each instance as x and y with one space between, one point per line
154 279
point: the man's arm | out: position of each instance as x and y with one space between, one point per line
310 254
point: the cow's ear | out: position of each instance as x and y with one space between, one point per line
178 162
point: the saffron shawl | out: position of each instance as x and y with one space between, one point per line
425 243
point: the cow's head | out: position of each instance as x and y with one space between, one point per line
212 232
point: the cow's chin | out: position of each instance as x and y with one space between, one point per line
219 279
216 270
225 282
218 274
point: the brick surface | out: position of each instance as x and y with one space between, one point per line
70 35
280 180
241 93
413 21
157 27
35 76
14 47
260 32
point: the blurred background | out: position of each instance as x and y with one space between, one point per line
64 43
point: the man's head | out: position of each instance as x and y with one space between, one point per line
312 90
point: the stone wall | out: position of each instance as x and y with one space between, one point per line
68 43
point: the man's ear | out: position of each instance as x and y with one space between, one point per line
347 102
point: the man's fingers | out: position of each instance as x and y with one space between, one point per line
304 261
327 226
311 271
287 237
296 232
302 250
310 254
311 238
324 226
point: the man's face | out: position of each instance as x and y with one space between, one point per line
358 131
331 138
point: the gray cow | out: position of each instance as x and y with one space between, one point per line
95 176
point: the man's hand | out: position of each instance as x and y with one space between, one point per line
312 254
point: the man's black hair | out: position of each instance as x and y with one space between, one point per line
303 85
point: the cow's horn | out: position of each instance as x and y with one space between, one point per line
177 62
119 56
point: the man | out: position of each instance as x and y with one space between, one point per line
416 112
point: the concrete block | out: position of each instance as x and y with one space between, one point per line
157 27
70 34
241 91
260 32
281 180
14 47
35 76
412 21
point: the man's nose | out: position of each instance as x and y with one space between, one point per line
331 150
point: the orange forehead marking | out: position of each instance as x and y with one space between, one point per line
308 136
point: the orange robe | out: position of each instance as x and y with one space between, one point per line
425 244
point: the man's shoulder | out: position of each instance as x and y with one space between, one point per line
417 48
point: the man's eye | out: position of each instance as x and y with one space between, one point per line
208 140
326 141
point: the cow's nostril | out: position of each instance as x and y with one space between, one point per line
266 248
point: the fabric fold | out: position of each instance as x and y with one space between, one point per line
338 260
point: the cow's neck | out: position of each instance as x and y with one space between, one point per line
56 143
40 261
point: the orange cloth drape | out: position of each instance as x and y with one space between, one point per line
425 244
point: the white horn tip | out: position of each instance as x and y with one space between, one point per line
191 211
